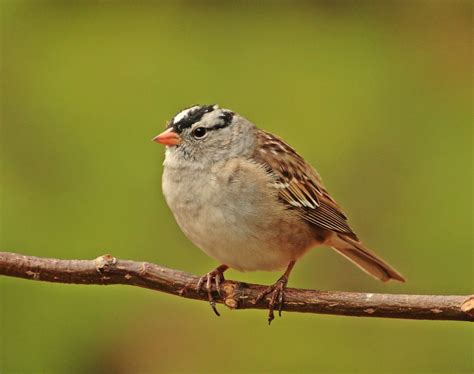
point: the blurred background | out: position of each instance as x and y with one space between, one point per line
376 95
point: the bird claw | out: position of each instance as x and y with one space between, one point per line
278 291
213 278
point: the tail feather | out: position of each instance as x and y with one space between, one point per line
364 259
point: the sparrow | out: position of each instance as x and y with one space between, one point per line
250 201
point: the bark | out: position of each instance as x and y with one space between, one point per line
107 270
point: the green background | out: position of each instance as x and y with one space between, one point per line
377 96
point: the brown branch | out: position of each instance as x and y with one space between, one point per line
106 270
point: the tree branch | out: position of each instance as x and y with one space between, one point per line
107 270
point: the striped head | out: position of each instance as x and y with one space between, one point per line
206 134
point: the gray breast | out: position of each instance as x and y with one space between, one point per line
231 212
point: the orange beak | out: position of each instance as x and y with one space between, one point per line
168 137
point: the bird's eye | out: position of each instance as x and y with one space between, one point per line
199 132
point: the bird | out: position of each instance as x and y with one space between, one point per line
248 200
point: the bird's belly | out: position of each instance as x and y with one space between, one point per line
243 231
246 246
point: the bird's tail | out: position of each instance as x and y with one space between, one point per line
365 259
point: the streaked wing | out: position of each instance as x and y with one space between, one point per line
299 185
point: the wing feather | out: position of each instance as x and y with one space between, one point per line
299 185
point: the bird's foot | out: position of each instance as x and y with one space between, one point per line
277 298
206 282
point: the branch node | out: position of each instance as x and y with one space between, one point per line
33 274
143 268
104 262
468 305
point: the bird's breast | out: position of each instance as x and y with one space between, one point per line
231 212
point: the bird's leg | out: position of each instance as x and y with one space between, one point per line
216 276
277 290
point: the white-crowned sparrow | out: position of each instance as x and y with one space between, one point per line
248 200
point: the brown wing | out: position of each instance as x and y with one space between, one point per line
299 185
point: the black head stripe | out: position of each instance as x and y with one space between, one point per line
191 118
227 116
227 120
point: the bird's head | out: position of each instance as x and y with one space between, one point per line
206 134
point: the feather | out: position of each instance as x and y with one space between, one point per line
299 186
